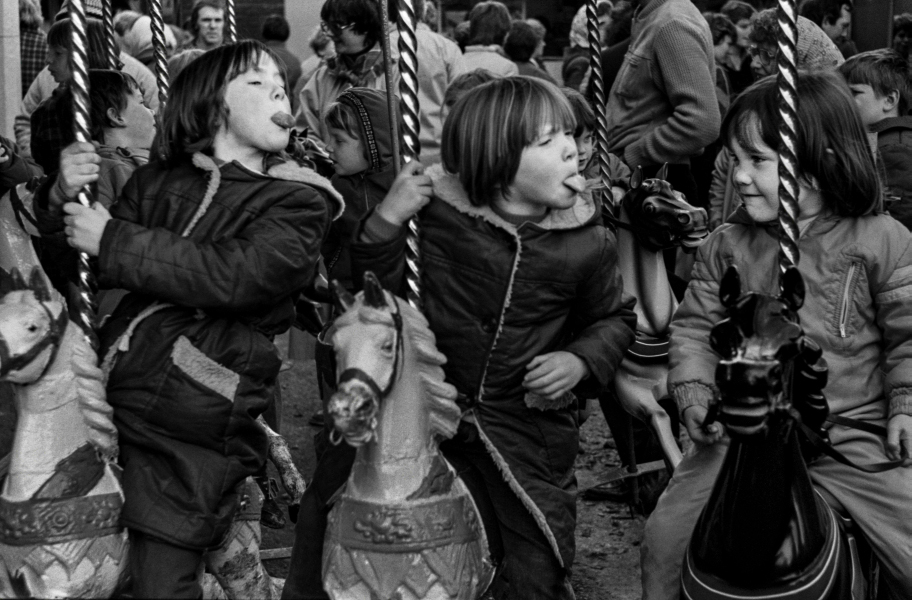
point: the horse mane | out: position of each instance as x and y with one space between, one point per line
90 390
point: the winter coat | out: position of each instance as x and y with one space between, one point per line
215 257
856 272
894 145
497 295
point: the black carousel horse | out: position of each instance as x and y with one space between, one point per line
765 532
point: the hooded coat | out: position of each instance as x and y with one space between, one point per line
496 295
214 256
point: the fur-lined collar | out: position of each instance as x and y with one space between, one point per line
448 188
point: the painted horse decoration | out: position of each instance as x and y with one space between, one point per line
405 526
60 500
765 531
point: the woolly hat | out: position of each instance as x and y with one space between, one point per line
92 9
816 51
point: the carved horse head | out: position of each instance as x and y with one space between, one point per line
660 216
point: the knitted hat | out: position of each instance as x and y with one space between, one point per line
92 9
816 51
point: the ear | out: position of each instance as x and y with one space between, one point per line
663 173
792 288
891 100
342 297
39 286
373 291
636 178
114 118
730 288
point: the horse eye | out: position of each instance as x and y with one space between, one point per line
683 218
387 346
649 208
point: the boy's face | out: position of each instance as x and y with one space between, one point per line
872 107
139 120
252 98
347 153
58 62
585 144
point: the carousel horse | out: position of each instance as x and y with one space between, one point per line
765 531
405 526
61 497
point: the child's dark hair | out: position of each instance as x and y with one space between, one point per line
720 26
60 35
521 42
490 126
885 70
465 82
582 111
109 90
832 144
196 106
362 15
736 10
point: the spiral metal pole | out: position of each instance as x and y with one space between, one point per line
406 21
87 307
599 98
230 22
111 50
158 50
787 79
391 99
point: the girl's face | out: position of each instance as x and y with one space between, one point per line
545 165
743 27
756 175
251 99
346 152
722 49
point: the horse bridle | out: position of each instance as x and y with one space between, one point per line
56 328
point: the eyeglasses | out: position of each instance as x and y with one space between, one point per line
333 29
767 57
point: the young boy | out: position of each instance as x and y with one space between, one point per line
879 80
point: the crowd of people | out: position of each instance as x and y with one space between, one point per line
217 213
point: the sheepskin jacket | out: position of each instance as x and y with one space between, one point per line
214 257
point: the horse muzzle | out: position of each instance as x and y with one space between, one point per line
353 410
750 390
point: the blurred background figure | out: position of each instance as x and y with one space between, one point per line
207 24
32 42
521 43
489 23
275 33
137 41
902 34
835 18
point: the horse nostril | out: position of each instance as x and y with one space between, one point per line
649 208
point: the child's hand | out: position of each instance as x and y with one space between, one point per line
78 167
693 417
4 155
84 226
899 438
554 374
409 193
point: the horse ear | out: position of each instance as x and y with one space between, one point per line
17 279
38 285
792 288
636 178
373 291
663 173
343 298
730 288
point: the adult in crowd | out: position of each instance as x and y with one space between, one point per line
44 84
355 28
724 35
662 108
834 17
902 34
439 63
275 33
738 63
322 48
520 46
617 41
32 42
489 23
576 61
137 41
542 32
207 24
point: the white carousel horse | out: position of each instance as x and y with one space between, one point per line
60 501
405 526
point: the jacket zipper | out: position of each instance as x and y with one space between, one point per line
846 298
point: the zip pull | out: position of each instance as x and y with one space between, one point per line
844 313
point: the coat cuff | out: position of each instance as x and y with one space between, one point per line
692 393
900 402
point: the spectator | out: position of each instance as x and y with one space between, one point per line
724 35
617 41
439 63
542 32
576 62
834 17
738 63
323 49
123 21
881 84
520 46
137 42
275 33
902 34
431 16
207 24
461 35
489 23
32 42
354 27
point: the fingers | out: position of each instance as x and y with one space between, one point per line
412 168
79 148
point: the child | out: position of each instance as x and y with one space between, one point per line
879 80
461 86
864 326
215 239
521 289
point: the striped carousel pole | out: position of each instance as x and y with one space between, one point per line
787 79
230 22
406 21
599 99
111 51
87 307
158 50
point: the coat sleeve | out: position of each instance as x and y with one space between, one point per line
272 257
603 315
692 368
15 169
380 250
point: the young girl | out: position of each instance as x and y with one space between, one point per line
856 264
214 240
521 288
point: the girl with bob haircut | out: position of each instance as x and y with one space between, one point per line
855 262
214 243
522 291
